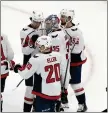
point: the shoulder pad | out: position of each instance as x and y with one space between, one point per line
35 56
54 36
59 29
74 29
25 28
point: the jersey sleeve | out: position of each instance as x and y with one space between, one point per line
29 69
64 69
24 43
9 50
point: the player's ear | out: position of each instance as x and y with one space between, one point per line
69 18
30 18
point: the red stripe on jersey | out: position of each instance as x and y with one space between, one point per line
22 68
2 54
4 75
78 90
67 56
26 42
78 63
46 96
28 99
3 64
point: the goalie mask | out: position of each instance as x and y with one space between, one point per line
51 23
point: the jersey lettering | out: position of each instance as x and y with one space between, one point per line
53 59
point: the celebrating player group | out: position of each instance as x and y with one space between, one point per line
53 55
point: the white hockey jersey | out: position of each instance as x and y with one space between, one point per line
60 43
77 45
7 53
49 71
25 35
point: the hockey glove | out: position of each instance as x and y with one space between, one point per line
12 65
32 41
6 64
58 106
17 66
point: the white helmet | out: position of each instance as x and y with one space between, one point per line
44 41
63 12
67 13
37 16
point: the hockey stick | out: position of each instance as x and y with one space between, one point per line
105 109
67 67
18 84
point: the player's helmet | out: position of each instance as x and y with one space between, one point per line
67 13
37 16
51 22
44 42
63 12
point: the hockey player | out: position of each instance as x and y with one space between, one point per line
60 43
49 70
77 57
7 55
28 36
59 38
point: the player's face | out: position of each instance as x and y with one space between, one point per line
63 19
48 24
36 24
